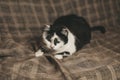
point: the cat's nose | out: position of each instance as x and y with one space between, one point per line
51 46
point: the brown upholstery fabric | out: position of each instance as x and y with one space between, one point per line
21 20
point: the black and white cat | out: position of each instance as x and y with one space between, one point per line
67 35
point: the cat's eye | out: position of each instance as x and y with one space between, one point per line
56 41
48 37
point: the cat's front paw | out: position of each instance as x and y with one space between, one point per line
58 56
39 53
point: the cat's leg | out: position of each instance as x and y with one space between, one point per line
62 55
58 56
66 54
39 53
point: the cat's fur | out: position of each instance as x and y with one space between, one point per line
68 34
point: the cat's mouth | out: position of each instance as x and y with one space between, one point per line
53 48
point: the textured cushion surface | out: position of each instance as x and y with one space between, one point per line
21 20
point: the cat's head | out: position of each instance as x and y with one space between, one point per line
55 38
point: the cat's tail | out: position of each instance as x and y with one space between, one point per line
98 28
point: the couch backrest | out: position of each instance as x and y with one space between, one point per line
19 18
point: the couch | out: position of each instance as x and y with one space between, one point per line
21 20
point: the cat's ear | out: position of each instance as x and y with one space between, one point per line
46 27
64 31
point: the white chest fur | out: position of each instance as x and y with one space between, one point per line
70 46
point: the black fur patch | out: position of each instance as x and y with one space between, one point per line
58 31
78 26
